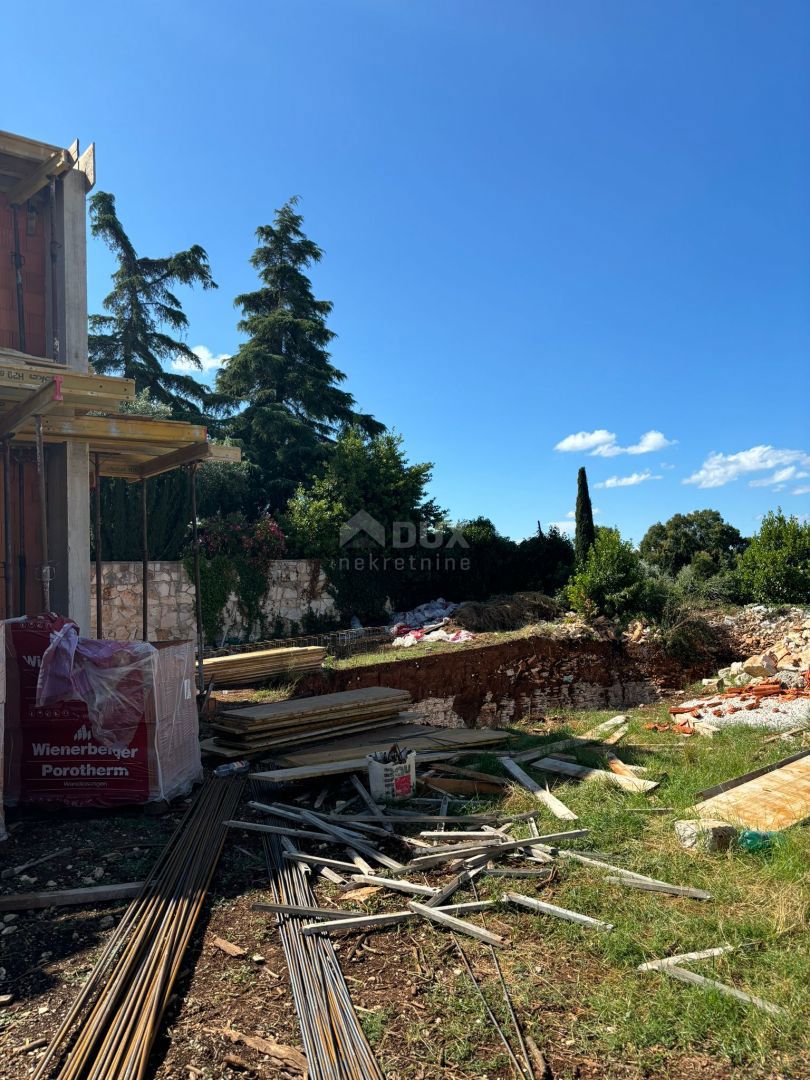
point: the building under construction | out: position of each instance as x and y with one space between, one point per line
60 424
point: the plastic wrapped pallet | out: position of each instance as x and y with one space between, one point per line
111 722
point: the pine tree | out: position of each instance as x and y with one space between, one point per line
585 531
134 339
294 405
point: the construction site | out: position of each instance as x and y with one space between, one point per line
435 849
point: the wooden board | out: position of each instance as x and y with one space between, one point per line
771 801
322 703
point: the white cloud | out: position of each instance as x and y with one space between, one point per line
649 442
585 440
628 481
804 490
720 469
207 359
780 477
602 443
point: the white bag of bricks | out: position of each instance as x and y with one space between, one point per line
390 779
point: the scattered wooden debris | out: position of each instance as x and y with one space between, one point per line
440 916
681 958
558 912
228 947
769 799
555 805
654 886
284 1056
96 894
684 975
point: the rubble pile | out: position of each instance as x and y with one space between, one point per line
756 627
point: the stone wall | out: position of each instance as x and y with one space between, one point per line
295 587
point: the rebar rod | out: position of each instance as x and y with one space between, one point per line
109 1031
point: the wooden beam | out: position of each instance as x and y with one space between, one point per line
163 433
96 894
41 401
197 452
59 163
21 147
17 380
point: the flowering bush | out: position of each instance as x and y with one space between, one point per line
236 556
232 534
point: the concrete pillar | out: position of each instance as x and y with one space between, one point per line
71 234
68 465
69 531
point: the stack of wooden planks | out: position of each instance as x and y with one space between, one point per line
299 721
242 669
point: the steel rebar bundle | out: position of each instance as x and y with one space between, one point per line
109 1031
334 1042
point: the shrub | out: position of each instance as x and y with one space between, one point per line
613 581
775 568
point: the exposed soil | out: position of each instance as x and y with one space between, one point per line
406 976
613 672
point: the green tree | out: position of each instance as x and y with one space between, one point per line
585 533
612 581
775 567
367 474
282 374
145 319
545 561
702 536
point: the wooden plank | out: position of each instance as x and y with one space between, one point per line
558 912
737 781
395 884
57 164
306 772
393 918
693 979
582 772
437 915
96 894
654 886
448 785
771 801
38 403
123 427
555 805
472 774
680 958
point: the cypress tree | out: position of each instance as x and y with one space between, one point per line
585 531
293 402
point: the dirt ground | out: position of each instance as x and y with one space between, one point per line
413 997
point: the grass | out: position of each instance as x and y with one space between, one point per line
391 654
759 900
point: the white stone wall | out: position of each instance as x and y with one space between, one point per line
295 587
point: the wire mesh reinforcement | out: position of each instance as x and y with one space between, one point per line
109 1031
334 1042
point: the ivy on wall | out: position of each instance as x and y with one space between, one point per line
235 557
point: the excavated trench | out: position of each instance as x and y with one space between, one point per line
526 678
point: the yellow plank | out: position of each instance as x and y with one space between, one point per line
772 802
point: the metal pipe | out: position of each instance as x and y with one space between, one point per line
97 536
43 513
8 554
145 563
21 560
18 260
195 547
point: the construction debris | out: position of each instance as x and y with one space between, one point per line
768 799
246 668
115 1019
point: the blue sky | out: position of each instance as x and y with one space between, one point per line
556 234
